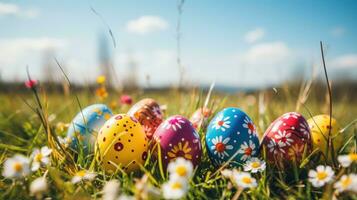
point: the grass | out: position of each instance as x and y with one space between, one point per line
21 130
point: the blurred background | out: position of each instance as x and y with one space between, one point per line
240 45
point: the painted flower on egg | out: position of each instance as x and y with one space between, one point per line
85 126
287 138
231 135
177 138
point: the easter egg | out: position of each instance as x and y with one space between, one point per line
231 135
85 126
122 143
320 127
149 114
177 138
200 116
287 138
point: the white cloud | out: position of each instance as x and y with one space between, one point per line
254 35
338 31
7 9
146 24
345 61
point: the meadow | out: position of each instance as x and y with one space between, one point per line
22 131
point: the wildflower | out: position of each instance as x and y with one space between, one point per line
65 141
111 190
126 100
16 167
347 183
38 187
60 126
321 176
83 175
175 188
227 173
101 79
40 158
244 180
181 168
255 165
125 197
101 93
30 83
347 160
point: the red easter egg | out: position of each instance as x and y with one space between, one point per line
287 138
149 114
200 116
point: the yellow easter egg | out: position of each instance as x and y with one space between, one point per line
122 143
320 126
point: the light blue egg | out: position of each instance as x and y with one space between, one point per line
231 134
85 126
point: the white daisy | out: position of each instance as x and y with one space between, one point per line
347 183
248 124
227 173
111 190
321 176
274 147
255 165
247 150
175 188
83 175
174 123
220 146
221 122
244 180
40 158
284 138
180 168
38 187
65 141
347 160
16 167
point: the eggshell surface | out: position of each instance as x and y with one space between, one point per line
149 114
286 139
231 134
177 138
122 143
85 126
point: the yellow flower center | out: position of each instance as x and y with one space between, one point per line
255 164
346 182
17 167
321 175
181 170
353 156
38 157
176 186
81 173
247 180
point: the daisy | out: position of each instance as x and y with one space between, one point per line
220 146
227 173
255 165
82 176
248 124
174 123
16 167
284 138
347 183
247 150
347 160
244 180
221 122
175 189
65 141
321 176
38 187
181 168
40 158
111 190
304 128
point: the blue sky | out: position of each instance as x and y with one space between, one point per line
235 43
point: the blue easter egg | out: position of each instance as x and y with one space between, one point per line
231 136
85 126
